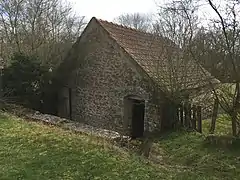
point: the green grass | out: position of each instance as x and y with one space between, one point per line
34 151
223 125
199 160
202 161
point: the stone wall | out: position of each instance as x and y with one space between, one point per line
104 76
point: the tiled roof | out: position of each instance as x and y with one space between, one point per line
157 56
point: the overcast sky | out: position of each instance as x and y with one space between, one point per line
109 9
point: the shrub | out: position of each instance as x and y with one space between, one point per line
26 81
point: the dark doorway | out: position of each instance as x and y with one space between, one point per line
138 108
70 102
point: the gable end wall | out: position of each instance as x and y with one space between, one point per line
103 78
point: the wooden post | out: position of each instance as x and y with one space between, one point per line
177 119
174 115
214 116
181 115
70 102
186 112
185 115
194 119
189 116
199 118
1 86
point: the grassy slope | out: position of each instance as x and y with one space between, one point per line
201 160
33 151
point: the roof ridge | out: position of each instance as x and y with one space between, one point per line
151 35
127 27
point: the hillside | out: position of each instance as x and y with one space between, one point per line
32 150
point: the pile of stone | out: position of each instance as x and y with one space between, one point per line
73 125
33 115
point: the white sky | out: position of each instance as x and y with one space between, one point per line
109 9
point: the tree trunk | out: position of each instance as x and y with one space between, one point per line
236 107
234 123
214 117
1 86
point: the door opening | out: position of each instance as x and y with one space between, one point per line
138 108
70 102
134 108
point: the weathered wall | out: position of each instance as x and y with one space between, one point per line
104 76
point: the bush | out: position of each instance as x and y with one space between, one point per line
26 81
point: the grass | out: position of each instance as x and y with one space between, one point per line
203 162
33 151
223 125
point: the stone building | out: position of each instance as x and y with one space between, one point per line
117 78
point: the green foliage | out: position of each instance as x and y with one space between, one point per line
26 80
23 76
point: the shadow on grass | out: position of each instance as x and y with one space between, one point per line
232 149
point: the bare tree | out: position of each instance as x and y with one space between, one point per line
178 22
223 44
218 41
41 27
137 21
10 16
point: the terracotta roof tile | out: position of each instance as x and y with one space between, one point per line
155 55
